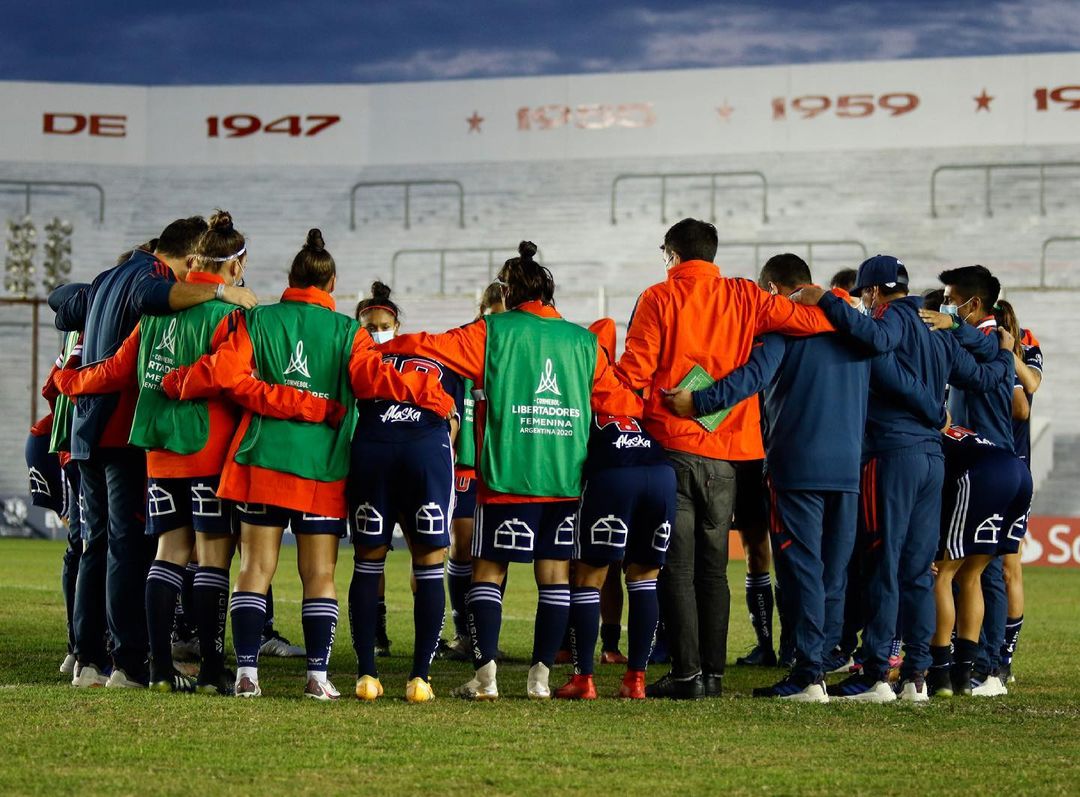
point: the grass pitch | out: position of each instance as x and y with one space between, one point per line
55 739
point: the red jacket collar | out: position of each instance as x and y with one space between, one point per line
536 307
694 268
205 277
310 296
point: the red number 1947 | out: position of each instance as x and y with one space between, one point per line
238 125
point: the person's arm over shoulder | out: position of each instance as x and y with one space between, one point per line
780 314
232 362
643 339
151 287
461 350
878 334
889 377
374 379
71 303
752 377
111 375
968 374
983 346
609 395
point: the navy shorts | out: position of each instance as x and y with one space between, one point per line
985 509
281 517
626 513
172 503
47 487
525 531
409 482
464 496
751 499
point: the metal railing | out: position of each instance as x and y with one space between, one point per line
29 185
757 246
1046 245
664 177
487 251
988 169
408 185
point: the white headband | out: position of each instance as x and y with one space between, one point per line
230 257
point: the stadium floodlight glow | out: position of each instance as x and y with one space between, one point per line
19 263
57 251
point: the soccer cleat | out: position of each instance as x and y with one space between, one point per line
758 656
274 644
677 688
913 690
960 675
579 687
788 689
1005 673
418 690
836 661
186 649
320 690
612 657
246 687
223 685
713 684
563 657
67 666
369 688
457 649
177 682
633 685
482 687
119 680
537 686
990 686
88 676
939 682
864 689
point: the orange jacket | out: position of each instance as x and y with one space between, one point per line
463 350
698 317
120 372
233 365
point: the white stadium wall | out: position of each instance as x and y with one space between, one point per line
854 158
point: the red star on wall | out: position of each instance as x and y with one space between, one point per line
725 111
474 122
982 102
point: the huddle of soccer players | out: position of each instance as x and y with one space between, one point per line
521 437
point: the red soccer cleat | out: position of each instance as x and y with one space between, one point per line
579 687
612 657
633 685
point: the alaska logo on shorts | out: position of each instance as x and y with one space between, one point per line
401 413
549 382
298 363
168 339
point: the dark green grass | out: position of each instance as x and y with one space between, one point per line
54 739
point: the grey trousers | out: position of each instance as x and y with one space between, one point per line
694 594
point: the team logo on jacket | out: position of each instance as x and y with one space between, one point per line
401 413
168 339
549 382
298 363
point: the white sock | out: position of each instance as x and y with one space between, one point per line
318 675
248 672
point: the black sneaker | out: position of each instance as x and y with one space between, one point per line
759 656
172 682
961 675
939 682
713 684
677 689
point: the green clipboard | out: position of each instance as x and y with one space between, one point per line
698 379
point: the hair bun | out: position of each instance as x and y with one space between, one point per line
380 291
527 250
315 240
221 221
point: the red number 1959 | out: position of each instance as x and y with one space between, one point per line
239 125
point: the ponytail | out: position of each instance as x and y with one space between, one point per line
525 279
1005 315
219 244
313 266
379 300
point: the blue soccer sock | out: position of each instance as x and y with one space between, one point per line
1012 637
484 603
163 585
429 608
319 617
268 625
552 613
210 604
248 618
185 606
965 651
940 657
759 602
584 624
644 613
458 581
364 612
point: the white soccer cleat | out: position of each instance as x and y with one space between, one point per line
321 690
88 676
914 691
538 688
247 687
67 666
991 687
274 644
814 693
482 687
119 680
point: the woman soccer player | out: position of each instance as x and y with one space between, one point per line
542 378
287 473
186 443
402 472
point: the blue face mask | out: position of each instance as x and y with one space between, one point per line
383 335
953 309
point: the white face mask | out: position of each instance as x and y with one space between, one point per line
382 335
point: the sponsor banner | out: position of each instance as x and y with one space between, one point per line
1052 541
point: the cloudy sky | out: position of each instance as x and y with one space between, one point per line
286 41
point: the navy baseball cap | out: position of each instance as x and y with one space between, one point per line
880 270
